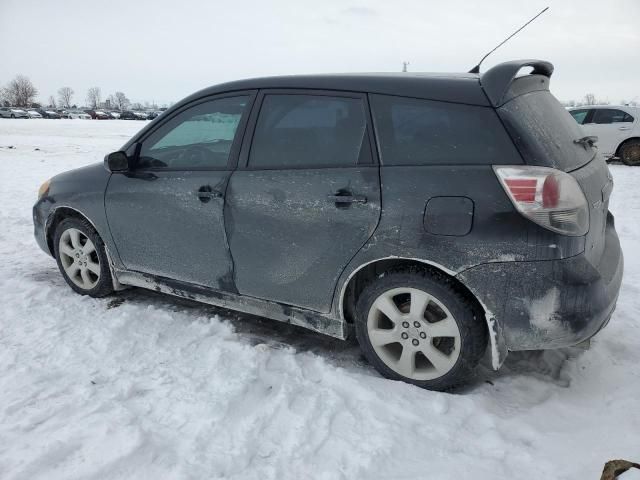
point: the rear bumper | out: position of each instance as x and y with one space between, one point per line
550 304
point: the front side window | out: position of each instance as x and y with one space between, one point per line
424 132
298 131
610 115
199 137
579 115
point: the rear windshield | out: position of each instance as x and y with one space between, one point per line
424 132
544 131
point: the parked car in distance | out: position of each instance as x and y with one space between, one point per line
617 128
128 115
11 112
420 212
101 115
152 115
140 115
48 113
114 115
63 113
79 114
33 114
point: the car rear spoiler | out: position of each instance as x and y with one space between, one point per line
497 81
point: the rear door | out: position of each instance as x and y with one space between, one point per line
166 215
611 126
306 198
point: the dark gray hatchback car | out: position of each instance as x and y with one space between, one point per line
430 214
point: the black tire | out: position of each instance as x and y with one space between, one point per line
104 285
630 153
469 320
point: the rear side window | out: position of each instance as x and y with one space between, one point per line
424 132
610 115
544 131
306 131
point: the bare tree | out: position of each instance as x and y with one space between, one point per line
120 101
65 94
590 99
94 97
52 101
21 91
4 97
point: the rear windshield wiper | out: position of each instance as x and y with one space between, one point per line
588 141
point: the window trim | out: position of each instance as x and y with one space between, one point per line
245 152
232 161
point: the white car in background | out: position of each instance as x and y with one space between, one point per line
617 129
10 112
80 115
33 114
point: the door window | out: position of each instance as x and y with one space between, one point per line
610 115
579 115
305 131
198 138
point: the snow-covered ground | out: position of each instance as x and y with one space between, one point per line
139 385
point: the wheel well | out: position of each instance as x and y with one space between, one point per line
59 215
369 272
625 142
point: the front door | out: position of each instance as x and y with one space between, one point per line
307 198
166 215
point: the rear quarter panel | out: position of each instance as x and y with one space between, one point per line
498 232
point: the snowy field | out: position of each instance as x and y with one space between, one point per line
143 386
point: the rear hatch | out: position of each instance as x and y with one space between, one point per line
545 135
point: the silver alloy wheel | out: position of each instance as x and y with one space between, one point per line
413 333
79 258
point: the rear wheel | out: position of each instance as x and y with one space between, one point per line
417 327
82 258
630 153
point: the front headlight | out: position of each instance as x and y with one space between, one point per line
44 189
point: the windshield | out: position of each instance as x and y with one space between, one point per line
545 132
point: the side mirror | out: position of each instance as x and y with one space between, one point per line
116 162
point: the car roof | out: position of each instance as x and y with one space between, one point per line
451 87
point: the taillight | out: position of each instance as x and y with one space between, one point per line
549 197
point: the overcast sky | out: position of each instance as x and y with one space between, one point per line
163 50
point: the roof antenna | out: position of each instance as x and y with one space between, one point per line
476 69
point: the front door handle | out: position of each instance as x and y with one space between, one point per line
624 128
347 198
206 193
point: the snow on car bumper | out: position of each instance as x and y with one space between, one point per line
550 304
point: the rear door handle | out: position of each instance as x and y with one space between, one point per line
206 193
347 198
624 128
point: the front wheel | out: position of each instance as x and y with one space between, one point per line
82 258
416 326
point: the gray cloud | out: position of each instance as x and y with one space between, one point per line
163 50
360 11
